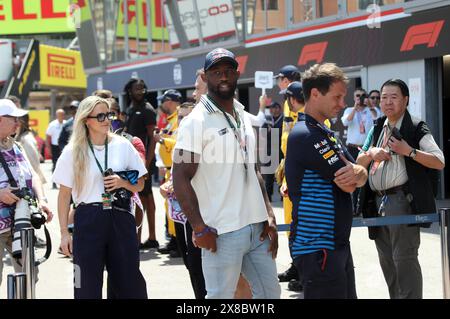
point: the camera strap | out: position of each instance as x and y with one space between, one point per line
106 154
11 179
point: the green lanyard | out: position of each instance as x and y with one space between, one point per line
106 154
236 131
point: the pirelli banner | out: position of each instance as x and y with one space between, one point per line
61 68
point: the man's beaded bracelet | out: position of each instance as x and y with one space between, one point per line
207 229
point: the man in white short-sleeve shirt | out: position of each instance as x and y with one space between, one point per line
220 190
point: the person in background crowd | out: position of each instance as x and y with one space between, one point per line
63 140
189 252
234 225
287 75
140 122
26 139
402 158
53 131
273 127
200 86
104 94
170 102
358 120
67 128
374 103
104 231
119 117
320 174
16 100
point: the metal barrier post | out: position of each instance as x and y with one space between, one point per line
27 238
445 239
17 286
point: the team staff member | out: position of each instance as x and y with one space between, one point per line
320 177
104 234
399 151
296 103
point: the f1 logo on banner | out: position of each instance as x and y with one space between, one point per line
427 33
313 52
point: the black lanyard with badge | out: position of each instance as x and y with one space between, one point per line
242 142
106 197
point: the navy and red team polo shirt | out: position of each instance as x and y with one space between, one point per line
322 212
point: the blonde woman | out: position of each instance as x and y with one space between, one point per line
104 233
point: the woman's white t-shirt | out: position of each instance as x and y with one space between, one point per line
122 156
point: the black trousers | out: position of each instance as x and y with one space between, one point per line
106 238
269 179
192 258
328 274
56 152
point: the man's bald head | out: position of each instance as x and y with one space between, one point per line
60 115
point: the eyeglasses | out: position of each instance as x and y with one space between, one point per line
228 73
374 97
101 117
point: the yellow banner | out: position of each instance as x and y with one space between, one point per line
139 9
39 120
35 16
61 68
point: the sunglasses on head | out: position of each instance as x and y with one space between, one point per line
101 117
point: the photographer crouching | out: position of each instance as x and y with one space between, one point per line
20 186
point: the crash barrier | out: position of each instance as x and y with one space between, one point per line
443 218
22 285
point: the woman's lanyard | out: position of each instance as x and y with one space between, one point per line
107 198
106 155
242 142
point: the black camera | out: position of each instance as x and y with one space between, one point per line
396 133
108 172
22 193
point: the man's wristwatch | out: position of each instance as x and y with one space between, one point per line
413 153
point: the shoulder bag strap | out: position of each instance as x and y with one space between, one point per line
11 179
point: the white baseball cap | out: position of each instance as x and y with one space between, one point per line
7 107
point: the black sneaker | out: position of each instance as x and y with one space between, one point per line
171 245
174 254
149 244
289 274
295 285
